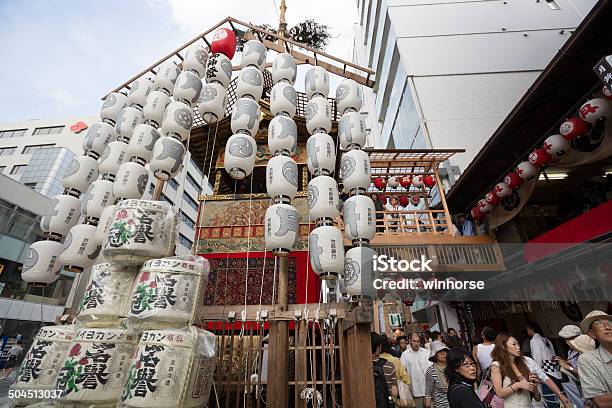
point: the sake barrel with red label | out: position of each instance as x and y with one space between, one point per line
107 296
179 364
166 292
140 230
40 365
95 367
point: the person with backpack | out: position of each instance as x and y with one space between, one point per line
461 374
385 376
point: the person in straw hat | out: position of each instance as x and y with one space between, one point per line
595 367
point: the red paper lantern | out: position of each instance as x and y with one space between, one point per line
573 127
492 198
513 180
429 181
224 42
405 181
382 198
403 200
540 158
380 183
477 214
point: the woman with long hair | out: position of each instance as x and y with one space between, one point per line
461 374
512 380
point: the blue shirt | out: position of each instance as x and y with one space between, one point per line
467 228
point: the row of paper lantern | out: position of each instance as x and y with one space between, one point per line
394 182
551 151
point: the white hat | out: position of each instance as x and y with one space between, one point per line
435 347
570 331
583 343
585 325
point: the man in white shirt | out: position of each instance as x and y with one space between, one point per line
543 353
545 379
416 361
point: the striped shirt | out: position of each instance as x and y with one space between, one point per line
436 388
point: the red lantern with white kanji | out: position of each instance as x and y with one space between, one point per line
393 182
224 42
526 170
429 181
477 214
492 198
380 183
403 200
415 200
556 146
540 158
484 206
596 109
502 190
513 180
405 181
571 128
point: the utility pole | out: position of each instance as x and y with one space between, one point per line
282 25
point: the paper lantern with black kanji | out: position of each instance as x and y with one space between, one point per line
429 181
219 69
62 213
253 54
321 154
112 106
316 82
283 99
355 170
195 60
245 116
128 119
417 181
359 216
513 180
282 136
42 262
131 181
249 83
114 155
99 195
104 223
167 158
281 178
539 158
351 130
281 227
187 88
284 69
526 170
596 109
574 127
502 190
556 146
318 115
484 206
140 148
153 111
492 198
380 183
98 136
323 199
83 170
326 249
393 182
166 76
348 96
240 153
224 42
177 121
80 248
212 102
139 91
359 270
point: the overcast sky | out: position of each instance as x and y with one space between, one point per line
59 58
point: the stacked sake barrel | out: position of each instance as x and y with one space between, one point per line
358 212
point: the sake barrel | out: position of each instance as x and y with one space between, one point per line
140 230
171 369
107 296
40 365
166 292
95 367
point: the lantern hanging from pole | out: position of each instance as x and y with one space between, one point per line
128 119
351 131
326 248
429 181
114 155
405 182
282 135
131 181
539 158
316 82
240 154
502 190
166 76
355 171
596 109
167 158
80 248
318 115
380 183
104 223
284 69
99 195
82 172
484 206
382 198
359 215
323 199
281 178
98 136
513 180
321 154
556 146
195 60
574 127
154 109
526 170
140 148
283 99
177 121
358 270
245 117
348 96
477 214
253 54
62 213
139 91
187 88
393 182
281 228
112 106
492 198
219 69
417 181
212 102
42 263
224 42
415 200
403 200
249 83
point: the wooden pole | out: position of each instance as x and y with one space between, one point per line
282 25
159 186
278 381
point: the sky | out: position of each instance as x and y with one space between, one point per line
59 58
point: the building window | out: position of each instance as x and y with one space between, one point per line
186 242
192 203
193 182
553 5
7 151
30 149
151 188
173 183
18 169
187 221
31 185
51 130
5 134
166 199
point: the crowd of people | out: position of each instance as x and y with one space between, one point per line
436 370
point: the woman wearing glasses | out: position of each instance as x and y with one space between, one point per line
461 373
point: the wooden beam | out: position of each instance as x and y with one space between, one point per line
219 313
358 375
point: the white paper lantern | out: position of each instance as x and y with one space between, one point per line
321 154
240 153
140 230
281 178
326 252
80 248
114 155
393 182
245 116
104 223
595 109
318 115
417 181
153 111
128 119
283 99
556 146
282 135
112 106
185 358
359 216
502 190
166 76
139 91
140 148
41 263
359 271
167 158
284 69
253 53
99 195
157 280
415 200
187 88
484 206
348 96
82 172
219 69
249 83
107 296
131 181
351 130
317 82
98 136
177 121
323 199
281 228
62 213
355 170
212 102
195 60
526 170
105 352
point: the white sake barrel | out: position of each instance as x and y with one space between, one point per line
166 292
107 296
40 365
183 361
140 230
95 368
